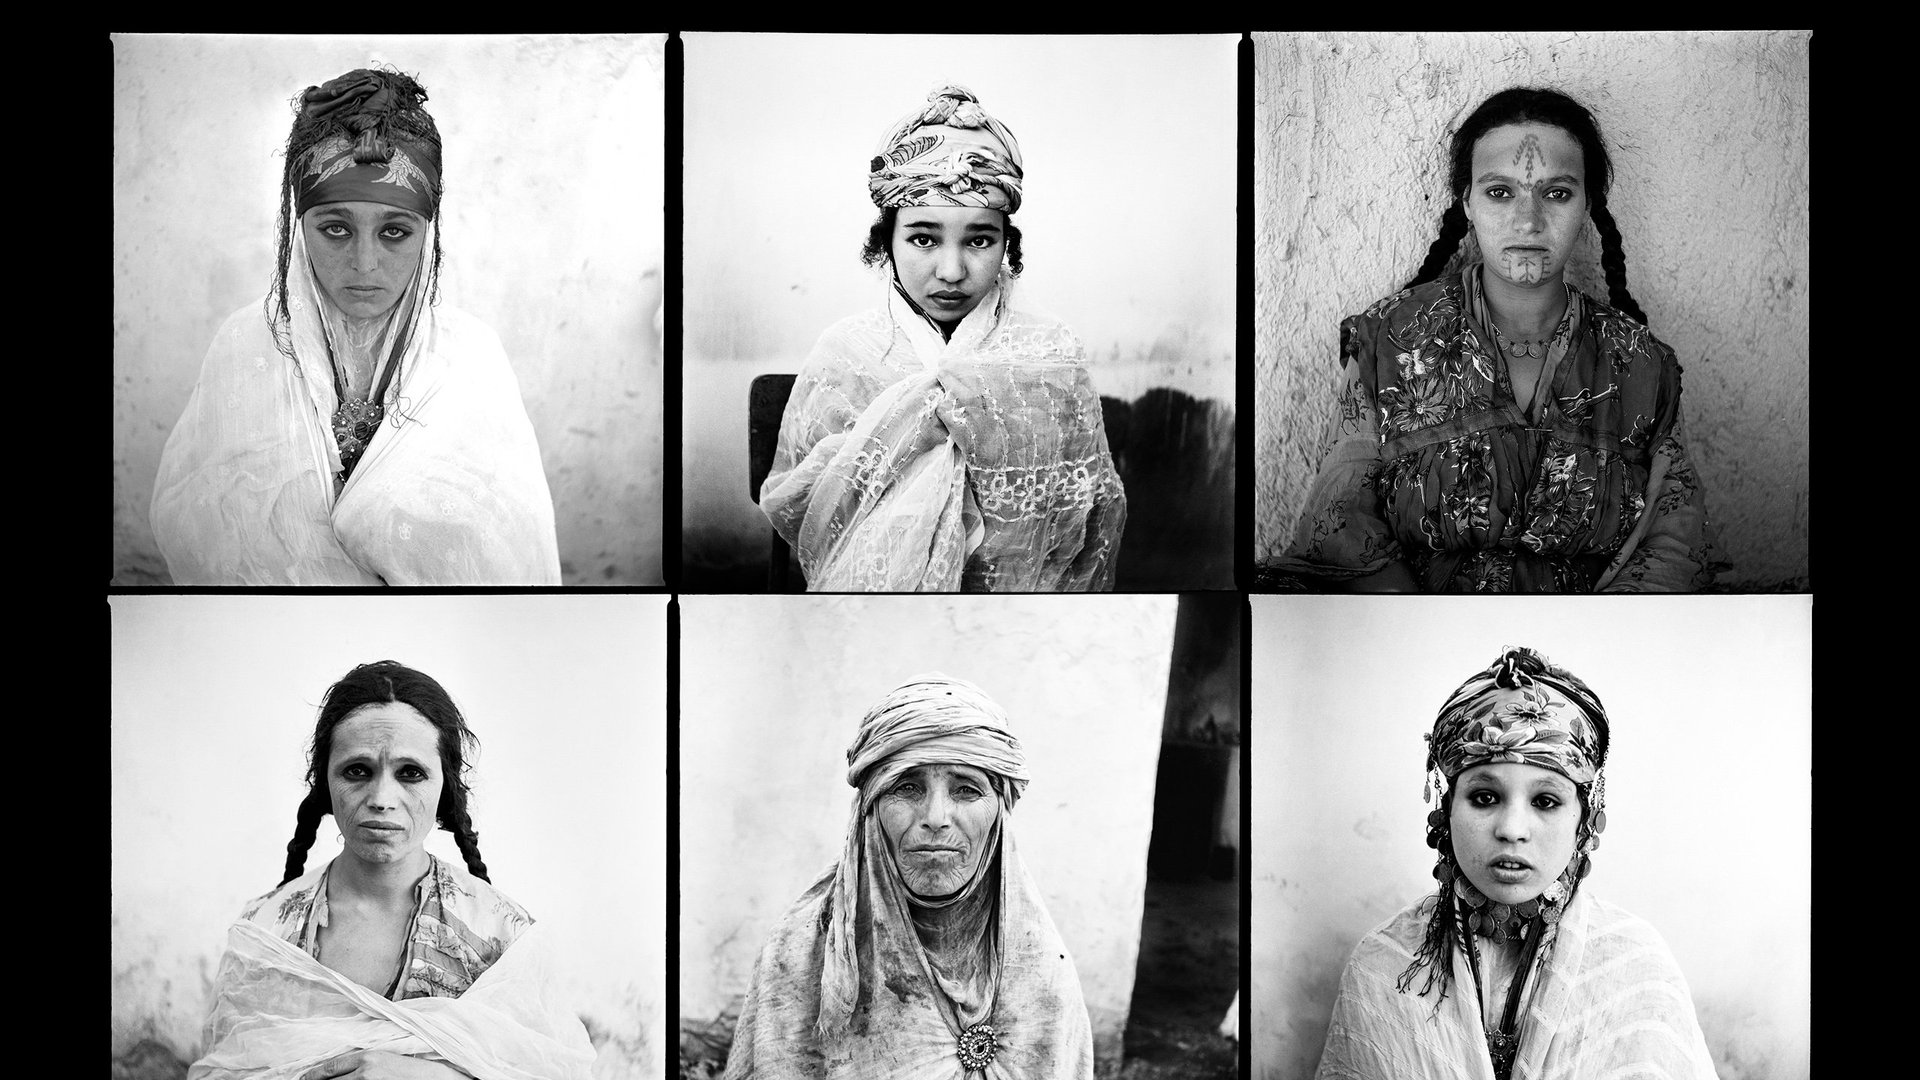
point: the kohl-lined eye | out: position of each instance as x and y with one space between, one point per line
1547 802
1482 798
1559 194
395 232
334 229
983 241
922 240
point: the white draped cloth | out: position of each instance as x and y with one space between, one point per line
908 462
450 490
278 1012
1607 1000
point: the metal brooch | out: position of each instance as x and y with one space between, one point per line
977 1045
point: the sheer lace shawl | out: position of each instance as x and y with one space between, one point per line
903 1027
909 463
278 1012
450 491
1608 1000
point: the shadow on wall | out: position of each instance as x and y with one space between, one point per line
1174 452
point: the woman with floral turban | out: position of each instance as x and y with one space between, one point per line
926 951
351 431
385 961
1514 970
947 441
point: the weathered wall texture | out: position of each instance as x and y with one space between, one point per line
1710 138
214 699
1709 795
1130 146
553 230
772 691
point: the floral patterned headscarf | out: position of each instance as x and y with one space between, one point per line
1521 709
949 152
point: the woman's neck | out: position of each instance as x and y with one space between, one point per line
1524 313
384 884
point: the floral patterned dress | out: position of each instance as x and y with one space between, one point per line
1434 462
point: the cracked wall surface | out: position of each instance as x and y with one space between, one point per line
1711 151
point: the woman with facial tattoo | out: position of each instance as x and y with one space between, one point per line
1514 970
385 961
1498 430
350 430
947 441
926 951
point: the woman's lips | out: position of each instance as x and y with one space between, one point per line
1510 871
948 299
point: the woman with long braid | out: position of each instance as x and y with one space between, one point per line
386 961
1498 430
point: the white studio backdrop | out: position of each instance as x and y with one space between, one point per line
1130 147
552 234
214 701
1709 793
772 690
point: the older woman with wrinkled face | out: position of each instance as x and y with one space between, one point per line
350 429
926 950
1499 430
1514 969
386 961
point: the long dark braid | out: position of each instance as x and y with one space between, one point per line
382 682
306 828
1521 105
409 122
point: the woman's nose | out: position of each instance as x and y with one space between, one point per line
939 810
949 266
366 255
385 794
1532 217
1512 824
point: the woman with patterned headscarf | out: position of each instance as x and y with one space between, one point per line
351 430
1514 970
947 441
926 951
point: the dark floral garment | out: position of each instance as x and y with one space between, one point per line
1432 461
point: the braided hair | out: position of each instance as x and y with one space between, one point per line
1522 105
382 682
1445 929
372 135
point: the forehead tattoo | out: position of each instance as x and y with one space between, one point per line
1529 152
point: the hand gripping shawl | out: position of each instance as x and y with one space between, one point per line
844 988
980 464
1608 1001
450 489
1433 461
278 1011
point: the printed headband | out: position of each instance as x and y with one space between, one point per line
949 153
1521 710
374 165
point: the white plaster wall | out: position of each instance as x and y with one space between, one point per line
1709 793
1710 139
553 226
214 699
1130 146
772 690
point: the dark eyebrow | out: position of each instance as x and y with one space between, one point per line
1563 178
922 223
983 226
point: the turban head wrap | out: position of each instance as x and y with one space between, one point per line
368 157
1521 709
949 153
931 719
